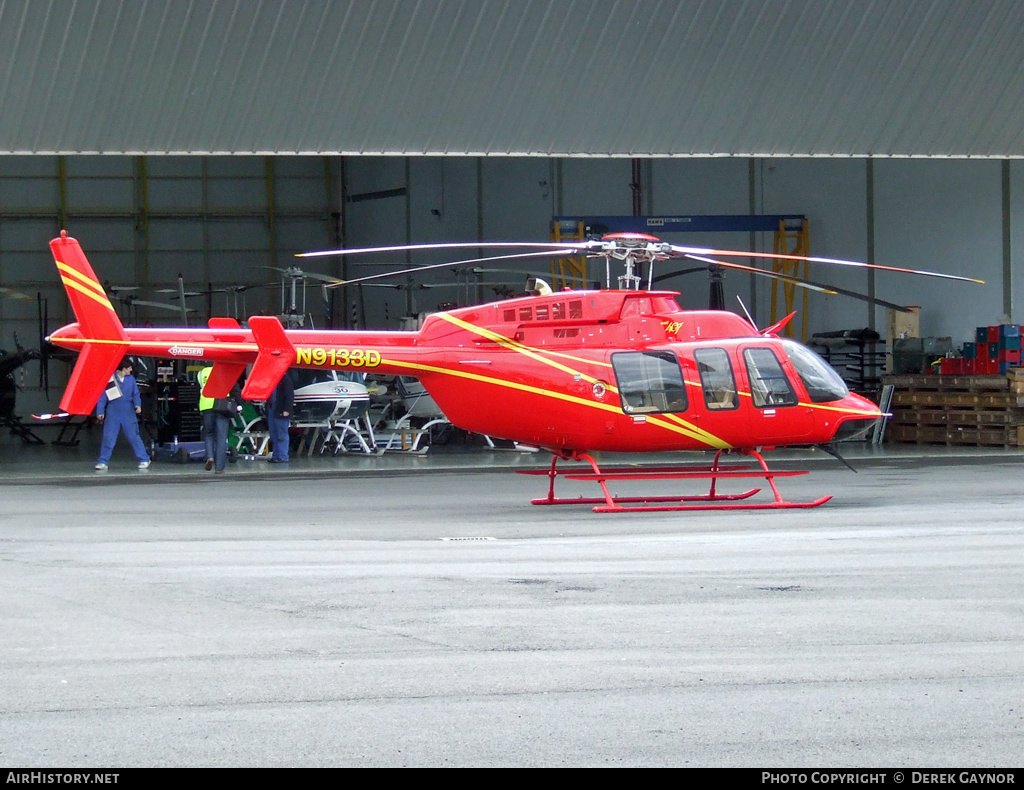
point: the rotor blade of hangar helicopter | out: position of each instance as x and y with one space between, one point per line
160 305
832 290
532 273
690 251
302 274
12 294
467 262
678 273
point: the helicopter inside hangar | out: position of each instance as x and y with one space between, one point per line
631 330
864 607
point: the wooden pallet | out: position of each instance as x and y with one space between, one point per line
982 411
959 400
931 383
964 417
964 435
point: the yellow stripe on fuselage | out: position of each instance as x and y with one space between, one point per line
822 406
534 353
694 431
844 410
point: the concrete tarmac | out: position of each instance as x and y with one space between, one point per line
419 611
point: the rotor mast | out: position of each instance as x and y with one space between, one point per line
633 249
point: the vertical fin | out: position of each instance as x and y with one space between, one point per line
276 355
222 378
224 374
96 364
94 312
104 341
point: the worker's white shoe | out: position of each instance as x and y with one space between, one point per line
100 467
144 464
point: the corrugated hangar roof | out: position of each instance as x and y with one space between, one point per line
514 77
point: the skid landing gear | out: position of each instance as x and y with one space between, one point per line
713 500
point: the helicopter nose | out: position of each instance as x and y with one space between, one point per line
861 417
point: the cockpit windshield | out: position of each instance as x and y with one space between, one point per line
823 384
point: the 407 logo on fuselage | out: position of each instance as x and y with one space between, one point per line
337 357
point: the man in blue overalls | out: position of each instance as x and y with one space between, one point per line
118 409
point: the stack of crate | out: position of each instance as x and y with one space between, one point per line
996 350
981 410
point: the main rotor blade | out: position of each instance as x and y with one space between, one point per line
690 251
599 246
479 270
831 290
450 264
537 245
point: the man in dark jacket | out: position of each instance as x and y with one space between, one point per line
217 422
279 417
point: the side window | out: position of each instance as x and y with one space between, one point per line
768 383
649 382
716 379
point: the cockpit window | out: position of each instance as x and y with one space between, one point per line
716 379
649 382
823 384
768 383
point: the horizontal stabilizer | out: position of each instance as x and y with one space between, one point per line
777 327
276 355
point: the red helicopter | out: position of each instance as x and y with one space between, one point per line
572 372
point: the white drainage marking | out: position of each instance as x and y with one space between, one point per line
481 538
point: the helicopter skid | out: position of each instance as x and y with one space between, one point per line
710 501
775 505
642 499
